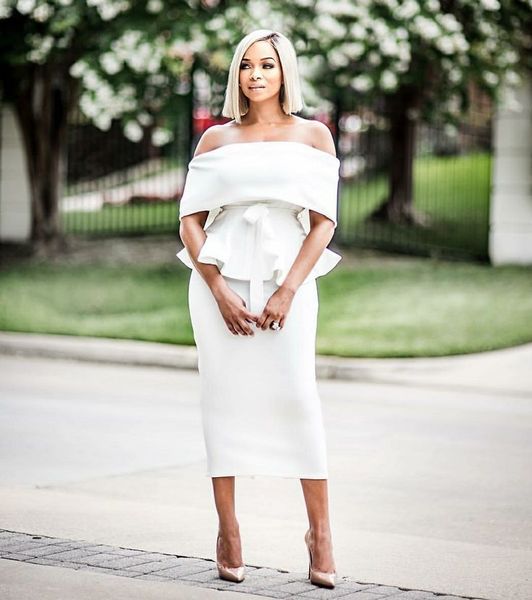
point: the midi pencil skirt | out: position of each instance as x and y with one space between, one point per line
260 407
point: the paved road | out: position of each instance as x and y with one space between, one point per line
430 487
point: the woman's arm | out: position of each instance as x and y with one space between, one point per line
193 236
321 227
191 226
319 236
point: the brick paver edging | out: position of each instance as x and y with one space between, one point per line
199 572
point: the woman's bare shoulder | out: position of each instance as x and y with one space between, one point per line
218 135
321 136
210 139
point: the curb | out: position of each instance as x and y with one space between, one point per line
194 571
173 356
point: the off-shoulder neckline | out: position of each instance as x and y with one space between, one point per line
312 148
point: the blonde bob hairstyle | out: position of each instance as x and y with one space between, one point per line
236 104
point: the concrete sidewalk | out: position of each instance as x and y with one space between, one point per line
429 477
499 371
24 581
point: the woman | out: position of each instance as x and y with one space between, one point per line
256 215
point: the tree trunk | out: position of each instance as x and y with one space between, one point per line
42 104
398 207
190 108
337 114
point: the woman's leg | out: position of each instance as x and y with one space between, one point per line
230 550
315 492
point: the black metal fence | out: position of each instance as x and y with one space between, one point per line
118 187
451 187
115 186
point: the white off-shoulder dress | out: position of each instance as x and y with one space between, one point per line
261 411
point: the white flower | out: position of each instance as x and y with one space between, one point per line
486 28
331 26
216 23
110 63
144 118
388 80
336 7
88 106
445 44
161 136
91 79
427 28
401 33
108 10
490 4
41 48
407 10
380 28
154 64
453 104
404 52
389 46
154 6
362 83
455 75
492 79
103 121
353 49
512 78
133 131
104 93
358 32
402 66
78 68
374 58
460 43
42 13
338 58
511 57
449 22
5 9
25 6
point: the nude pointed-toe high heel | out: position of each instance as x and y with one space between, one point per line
235 574
320 578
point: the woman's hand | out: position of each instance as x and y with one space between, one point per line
234 311
276 308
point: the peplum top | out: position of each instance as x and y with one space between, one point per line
258 196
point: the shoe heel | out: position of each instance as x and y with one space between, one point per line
309 555
319 578
234 574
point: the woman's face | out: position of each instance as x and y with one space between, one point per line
261 67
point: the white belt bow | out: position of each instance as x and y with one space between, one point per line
256 215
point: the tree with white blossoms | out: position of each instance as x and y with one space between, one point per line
416 58
120 59
131 60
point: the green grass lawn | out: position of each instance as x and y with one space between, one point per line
453 191
142 218
397 307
